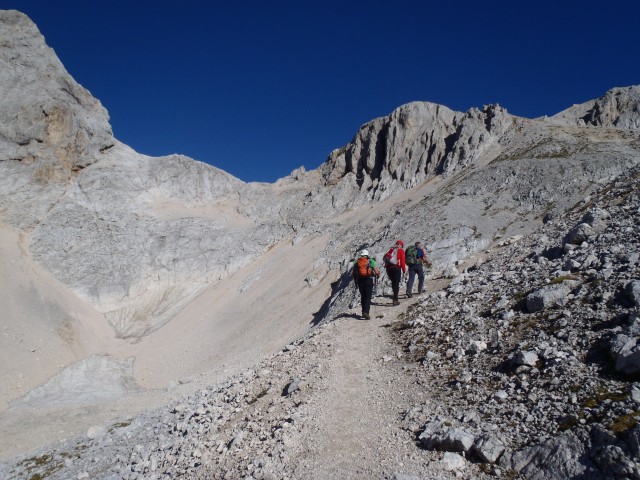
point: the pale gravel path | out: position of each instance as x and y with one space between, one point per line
353 430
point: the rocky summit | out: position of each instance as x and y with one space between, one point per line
164 319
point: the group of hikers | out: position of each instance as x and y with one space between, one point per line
397 262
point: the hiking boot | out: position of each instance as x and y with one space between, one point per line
366 316
409 295
396 301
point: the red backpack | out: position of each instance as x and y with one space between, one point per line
391 257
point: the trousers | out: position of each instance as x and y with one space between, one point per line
365 285
413 271
395 275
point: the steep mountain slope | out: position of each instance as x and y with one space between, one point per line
154 276
522 366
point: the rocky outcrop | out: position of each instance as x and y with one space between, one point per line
50 127
83 197
415 142
618 108
46 117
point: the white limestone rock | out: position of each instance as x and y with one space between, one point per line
488 448
457 440
619 108
556 458
415 142
626 352
453 462
527 358
547 296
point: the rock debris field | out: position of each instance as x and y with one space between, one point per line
521 363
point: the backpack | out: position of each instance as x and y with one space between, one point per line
363 267
411 255
391 258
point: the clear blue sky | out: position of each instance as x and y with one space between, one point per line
258 88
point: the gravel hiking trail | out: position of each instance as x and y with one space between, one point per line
361 395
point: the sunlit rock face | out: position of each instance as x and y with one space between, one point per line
129 273
139 237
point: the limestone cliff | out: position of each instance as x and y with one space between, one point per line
46 115
139 237
415 142
619 108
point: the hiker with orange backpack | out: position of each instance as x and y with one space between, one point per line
363 272
394 263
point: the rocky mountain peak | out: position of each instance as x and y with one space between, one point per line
46 117
417 141
617 108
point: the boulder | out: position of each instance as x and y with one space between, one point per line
633 292
529 359
488 448
500 396
632 438
431 434
626 353
598 218
456 440
579 234
548 296
452 462
293 386
612 460
476 347
558 458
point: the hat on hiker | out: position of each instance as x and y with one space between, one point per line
400 242
364 253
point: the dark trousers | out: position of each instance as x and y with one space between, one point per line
365 285
413 271
395 275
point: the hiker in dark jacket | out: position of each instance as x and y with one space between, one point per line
396 267
416 257
363 272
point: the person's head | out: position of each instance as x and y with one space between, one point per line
399 244
364 253
419 244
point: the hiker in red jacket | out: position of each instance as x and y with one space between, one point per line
396 267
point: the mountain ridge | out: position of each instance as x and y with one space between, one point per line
146 243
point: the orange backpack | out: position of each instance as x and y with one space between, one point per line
363 267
